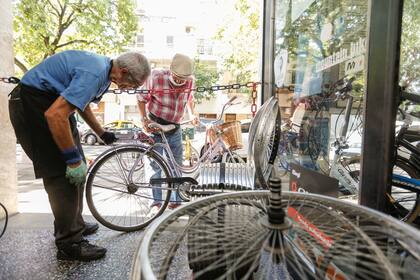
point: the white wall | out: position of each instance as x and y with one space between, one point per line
8 178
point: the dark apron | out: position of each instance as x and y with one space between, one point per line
27 106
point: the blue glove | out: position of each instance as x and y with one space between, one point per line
77 175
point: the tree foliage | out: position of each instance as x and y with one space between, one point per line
206 75
240 38
44 27
410 46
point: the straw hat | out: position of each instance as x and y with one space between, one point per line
182 66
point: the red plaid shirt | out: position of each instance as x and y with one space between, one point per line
166 105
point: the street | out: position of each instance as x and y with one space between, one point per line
32 197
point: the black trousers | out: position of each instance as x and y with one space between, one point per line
27 106
66 201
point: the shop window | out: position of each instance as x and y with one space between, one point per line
318 43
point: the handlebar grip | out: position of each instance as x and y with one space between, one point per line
411 97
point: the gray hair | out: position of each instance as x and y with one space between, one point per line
137 65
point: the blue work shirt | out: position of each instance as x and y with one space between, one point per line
80 77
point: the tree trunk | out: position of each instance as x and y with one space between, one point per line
20 64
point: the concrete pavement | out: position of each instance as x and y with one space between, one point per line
27 249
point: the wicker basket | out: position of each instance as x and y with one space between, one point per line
230 133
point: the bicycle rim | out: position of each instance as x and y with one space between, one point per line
119 204
226 237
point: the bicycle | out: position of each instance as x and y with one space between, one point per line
122 176
403 196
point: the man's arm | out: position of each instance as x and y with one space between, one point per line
143 116
57 117
91 120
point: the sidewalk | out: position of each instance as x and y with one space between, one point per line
27 249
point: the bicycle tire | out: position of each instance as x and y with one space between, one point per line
316 140
6 219
112 220
403 211
398 210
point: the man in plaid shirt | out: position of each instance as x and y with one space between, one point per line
166 105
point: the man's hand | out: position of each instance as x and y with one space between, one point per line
76 173
108 137
195 121
146 127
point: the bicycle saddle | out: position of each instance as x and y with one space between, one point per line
164 128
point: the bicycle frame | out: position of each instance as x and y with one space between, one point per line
179 170
338 170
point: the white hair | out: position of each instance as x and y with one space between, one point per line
136 63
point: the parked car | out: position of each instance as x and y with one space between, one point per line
124 130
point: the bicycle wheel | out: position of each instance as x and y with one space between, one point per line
118 189
286 153
405 204
318 140
232 157
266 141
4 218
230 236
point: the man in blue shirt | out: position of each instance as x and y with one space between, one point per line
42 111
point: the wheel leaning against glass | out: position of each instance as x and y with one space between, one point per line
118 189
266 140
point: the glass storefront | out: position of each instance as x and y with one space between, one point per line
319 71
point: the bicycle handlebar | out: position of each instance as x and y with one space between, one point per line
411 97
232 99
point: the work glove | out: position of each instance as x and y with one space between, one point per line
108 137
77 175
